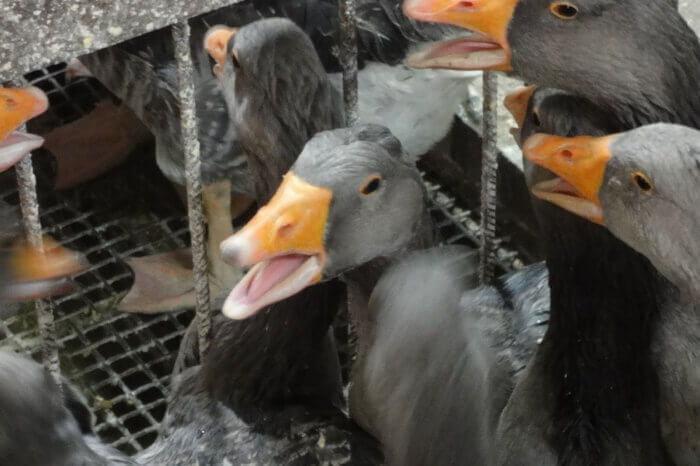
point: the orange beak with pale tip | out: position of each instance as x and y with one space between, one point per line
41 273
19 105
284 245
215 43
16 107
487 50
579 163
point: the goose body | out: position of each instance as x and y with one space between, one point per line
377 216
655 57
42 425
268 391
650 202
142 73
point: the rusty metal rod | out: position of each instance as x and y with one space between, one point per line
489 176
29 203
348 57
193 174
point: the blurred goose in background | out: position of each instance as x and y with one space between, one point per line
277 92
42 423
35 425
642 185
142 73
26 273
16 107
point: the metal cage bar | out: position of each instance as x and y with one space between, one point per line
348 57
29 204
193 174
489 177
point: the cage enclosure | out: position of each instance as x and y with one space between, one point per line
122 361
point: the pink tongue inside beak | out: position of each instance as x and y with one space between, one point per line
276 270
564 187
462 48
16 146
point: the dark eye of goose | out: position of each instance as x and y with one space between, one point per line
642 182
370 185
563 10
536 118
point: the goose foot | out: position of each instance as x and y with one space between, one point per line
164 282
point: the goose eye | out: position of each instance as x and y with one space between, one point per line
370 185
564 10
234 59
642 182
536 117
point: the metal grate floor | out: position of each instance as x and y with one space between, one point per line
121 361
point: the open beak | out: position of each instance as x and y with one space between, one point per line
38 274
579 163
284 245
488 49
215 43
16 107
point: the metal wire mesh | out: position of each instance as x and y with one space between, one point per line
122 361
459 225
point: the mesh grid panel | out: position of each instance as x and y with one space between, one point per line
122 361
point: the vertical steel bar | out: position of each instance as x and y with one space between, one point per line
26 184
347 40
29 204
193 173
489 176
348 57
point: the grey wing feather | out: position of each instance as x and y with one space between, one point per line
528 293
447 353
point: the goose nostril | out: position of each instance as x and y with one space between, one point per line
464 5
567 154
285 229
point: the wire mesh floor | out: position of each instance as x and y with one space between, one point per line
122 361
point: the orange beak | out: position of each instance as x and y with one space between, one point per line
579 163
488 50
19 105
216 43
516 103
41 273
16 107
283 243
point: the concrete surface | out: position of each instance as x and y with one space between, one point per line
37 33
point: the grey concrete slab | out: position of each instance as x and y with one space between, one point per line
36 33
